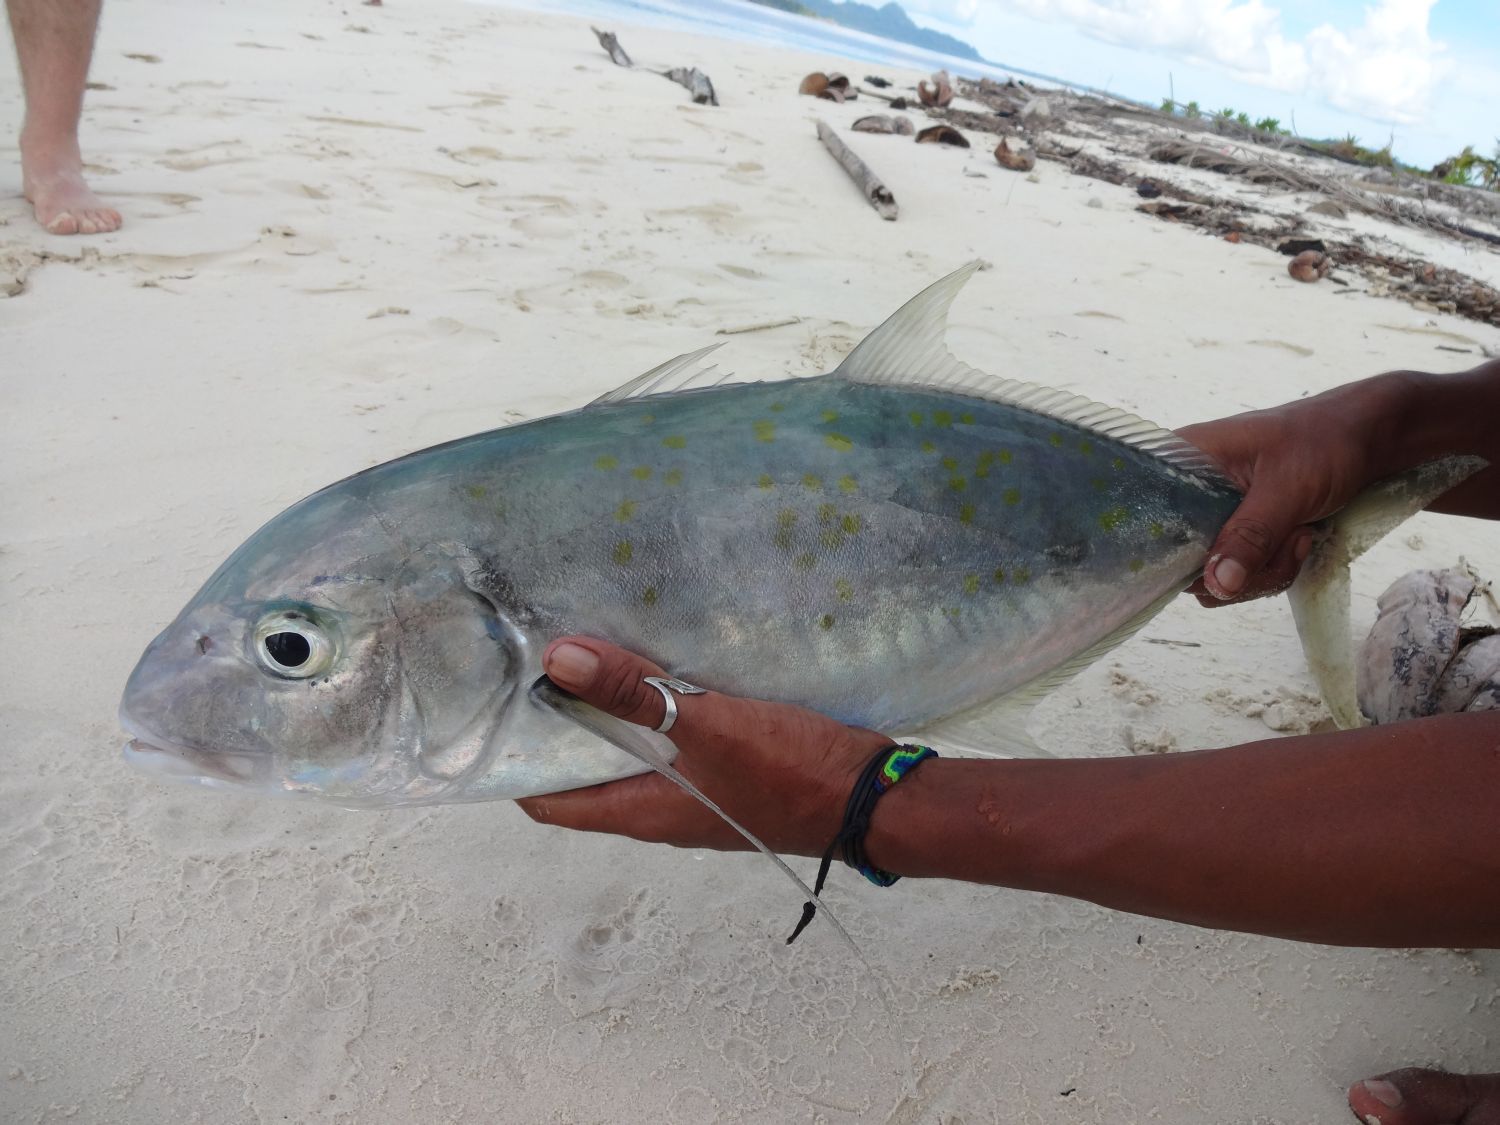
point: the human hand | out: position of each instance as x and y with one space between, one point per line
1296 464
783 772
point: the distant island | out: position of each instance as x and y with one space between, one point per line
888 22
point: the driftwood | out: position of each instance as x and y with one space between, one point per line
611 44
697 84
878 195
694 79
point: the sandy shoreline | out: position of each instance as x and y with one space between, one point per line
355 232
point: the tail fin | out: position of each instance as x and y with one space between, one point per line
1320 596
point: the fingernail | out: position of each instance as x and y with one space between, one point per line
1303 547
572 666
1383 1092
1229 574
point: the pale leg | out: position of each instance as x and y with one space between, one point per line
54 42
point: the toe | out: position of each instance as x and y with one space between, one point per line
1419 1096
63 223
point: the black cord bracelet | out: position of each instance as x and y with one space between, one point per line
889 765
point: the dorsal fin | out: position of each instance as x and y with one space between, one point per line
687 369
910 350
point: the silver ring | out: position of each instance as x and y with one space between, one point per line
667 685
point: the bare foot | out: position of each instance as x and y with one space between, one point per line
1416 1096
52 179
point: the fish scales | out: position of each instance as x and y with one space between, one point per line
895 543
886 555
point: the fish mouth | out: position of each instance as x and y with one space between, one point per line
162 757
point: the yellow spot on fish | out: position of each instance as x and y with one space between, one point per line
765 430
641 472
958 484
648 418
1020 576
625 510
846 483
674 441
1137 564
966 514
477 491
672 477
1117 464
832 538
1099 483
812 482
928 447
786 518
1012 495
916 418
1056 439
844 589
830 416
951 611
606 462
649 597
851 523
1112 519
951 464
1085 447
804 561
966 419
826 514
766 482
971 583
623 552
942 418
999 575
826 621
782 539
839 442
778 407
1004 456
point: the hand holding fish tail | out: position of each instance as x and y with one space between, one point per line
1301 462
783 772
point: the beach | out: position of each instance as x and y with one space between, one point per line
353 232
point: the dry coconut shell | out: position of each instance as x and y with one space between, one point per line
1016 159
814 84
940 93
1310 265
942 135
883 123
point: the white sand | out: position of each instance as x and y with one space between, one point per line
538 226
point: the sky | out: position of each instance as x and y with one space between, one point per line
1425 73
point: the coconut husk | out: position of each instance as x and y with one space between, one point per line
1016 159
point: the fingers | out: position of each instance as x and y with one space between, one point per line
1274 577
608 678
647 807
1258 551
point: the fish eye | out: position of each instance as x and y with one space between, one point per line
291 645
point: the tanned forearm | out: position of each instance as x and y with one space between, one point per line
1388 836
1426 416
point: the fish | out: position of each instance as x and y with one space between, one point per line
904 543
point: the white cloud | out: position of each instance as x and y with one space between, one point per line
1386 69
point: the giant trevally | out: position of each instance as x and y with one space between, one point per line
896 543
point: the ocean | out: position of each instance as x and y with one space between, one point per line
754 23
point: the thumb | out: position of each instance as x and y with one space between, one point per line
1258 551
607 677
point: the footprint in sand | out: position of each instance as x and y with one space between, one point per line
1295 349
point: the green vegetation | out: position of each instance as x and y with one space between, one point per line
1470 169
1467 168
